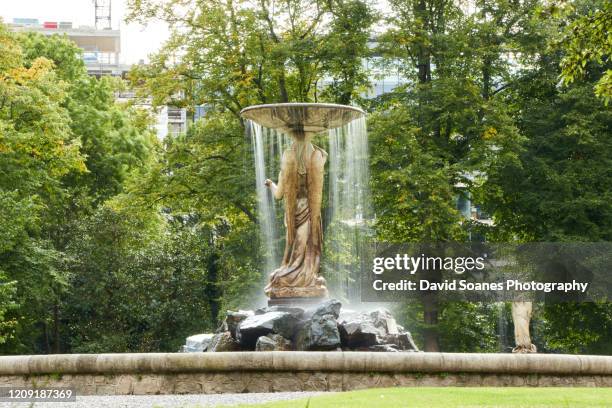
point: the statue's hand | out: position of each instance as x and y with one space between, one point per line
268 182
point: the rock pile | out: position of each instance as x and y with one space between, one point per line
322 327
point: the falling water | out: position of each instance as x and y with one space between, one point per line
502 328
348 208
265 205
348 172
268 146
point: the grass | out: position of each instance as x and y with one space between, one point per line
449 397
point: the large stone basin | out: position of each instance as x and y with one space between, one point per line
302 117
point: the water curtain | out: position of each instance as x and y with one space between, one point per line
347 203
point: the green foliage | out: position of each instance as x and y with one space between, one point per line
558 190
558 186
36 151
344 48
136 284
7 304
112 241
203 169
413 190
474 121
463 326
111 137
435 139
237 53
65 146
587 42
469 327
202 177
112 140
66 56
578 327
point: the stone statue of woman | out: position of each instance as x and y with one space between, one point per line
300 184
521 316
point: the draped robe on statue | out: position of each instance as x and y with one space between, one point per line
300 184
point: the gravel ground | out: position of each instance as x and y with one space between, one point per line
164 401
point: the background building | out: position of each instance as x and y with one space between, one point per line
102 56
101 47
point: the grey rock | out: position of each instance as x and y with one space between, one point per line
251 328
297 312
272 342
330 307
405 342
389 339
383 320
197 343
233 319
322 327
319 333
223 342
368 331
348 314
359 331
402 341
384 347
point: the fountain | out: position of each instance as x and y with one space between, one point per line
300 315
300 185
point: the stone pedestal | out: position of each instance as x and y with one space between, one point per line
297 301
318 291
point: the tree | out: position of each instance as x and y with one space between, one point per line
113 138
202 175
112 241
344 49
66 147
139 281
453 105
587 41
232 54
37 151
558 188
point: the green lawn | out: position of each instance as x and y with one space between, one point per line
448 397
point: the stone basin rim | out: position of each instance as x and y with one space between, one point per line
282 361
303 105
296 118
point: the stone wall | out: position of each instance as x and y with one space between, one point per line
117 374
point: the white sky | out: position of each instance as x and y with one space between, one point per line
136 41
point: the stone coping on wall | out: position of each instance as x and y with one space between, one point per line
296 361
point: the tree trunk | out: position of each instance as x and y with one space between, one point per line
424 57
430 318
212 287
47 341
284 95
56 334
431 307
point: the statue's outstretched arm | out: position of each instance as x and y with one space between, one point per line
277 189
